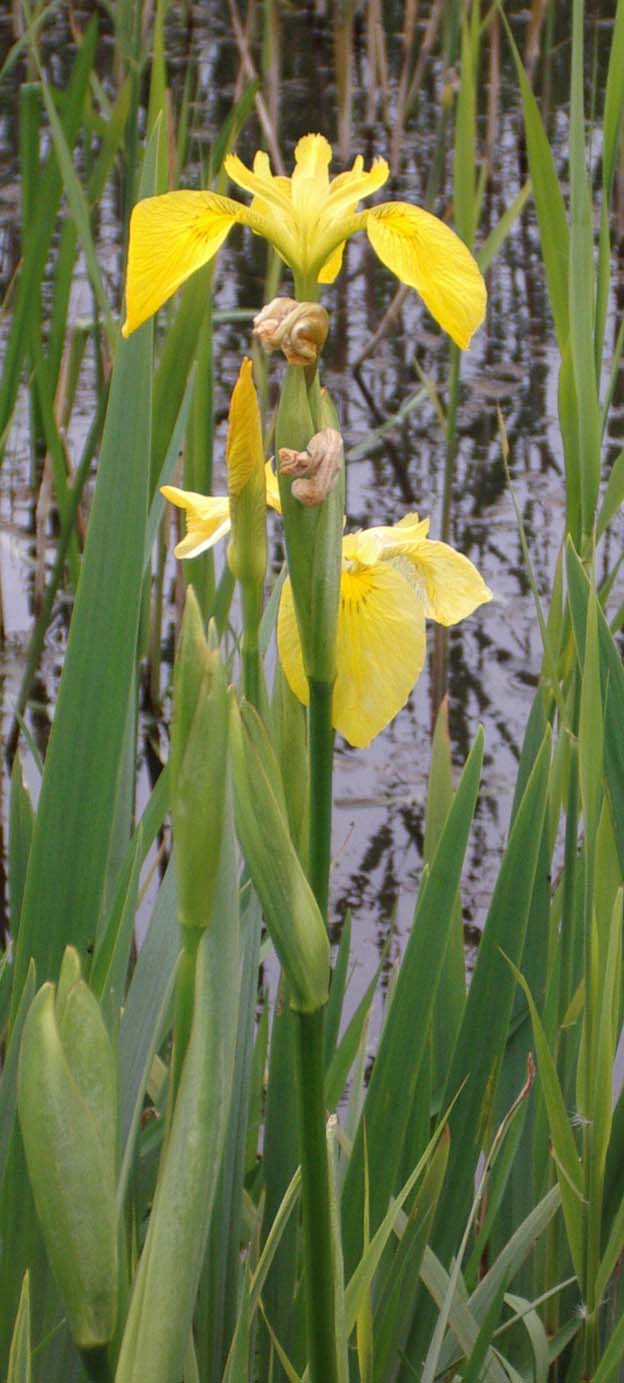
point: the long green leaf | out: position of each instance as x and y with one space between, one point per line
393 1085
70 849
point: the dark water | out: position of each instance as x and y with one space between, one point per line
495 656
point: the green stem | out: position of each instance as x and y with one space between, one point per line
318 1251
321 765
184 1002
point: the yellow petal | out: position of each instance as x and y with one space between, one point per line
332 265
260 182
381 544
170 237
207 519
245 451
313 155
379 654
289 645
348 189
310 180
452 584
380 650
426 254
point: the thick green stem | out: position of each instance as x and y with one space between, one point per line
318 1251
321 765
184 1002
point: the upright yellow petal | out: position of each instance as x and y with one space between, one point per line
349 188
207 519
244 451
379 655
260 182
452 584
313 155
426 254
170 237
310 178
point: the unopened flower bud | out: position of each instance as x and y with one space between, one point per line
297 329
316 469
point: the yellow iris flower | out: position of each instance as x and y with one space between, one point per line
308 218
392 580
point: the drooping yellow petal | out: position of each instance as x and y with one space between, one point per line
170 237
244 452
426 254
207 519
377 544
380 650
452 584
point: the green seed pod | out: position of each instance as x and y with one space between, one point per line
198 767
67 1111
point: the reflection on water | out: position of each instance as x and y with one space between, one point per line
494 657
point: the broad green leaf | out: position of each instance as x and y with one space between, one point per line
479 1047
393 1086
393 1313
549 204
612 688
614 493
614 103
67 871
611 1356
582 285
143 1021
163 1302
218 1301
48 198
564 1147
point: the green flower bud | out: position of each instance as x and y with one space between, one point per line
67 1111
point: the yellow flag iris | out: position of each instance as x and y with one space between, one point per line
307 217
392 580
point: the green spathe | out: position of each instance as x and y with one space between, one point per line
291 912
67 1111
313 534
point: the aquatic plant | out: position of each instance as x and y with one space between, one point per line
175 1201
